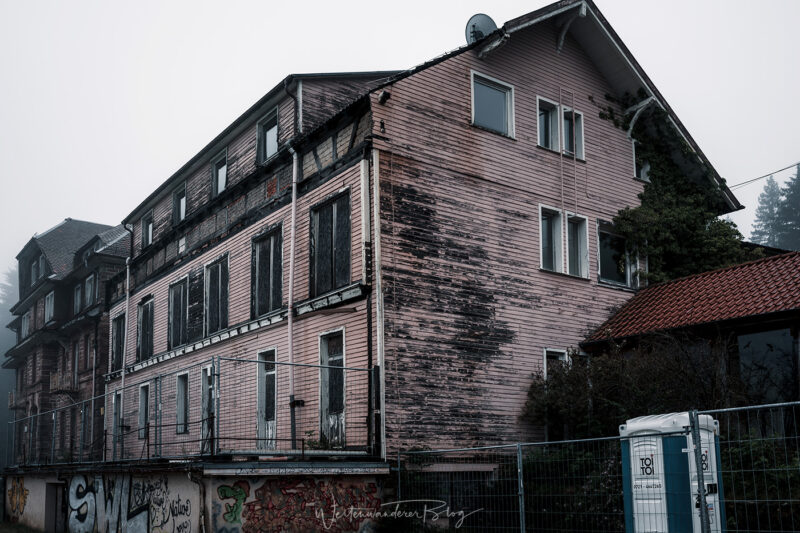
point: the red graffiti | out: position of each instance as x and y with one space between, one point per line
293 506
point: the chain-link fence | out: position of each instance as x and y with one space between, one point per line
643 481
216 407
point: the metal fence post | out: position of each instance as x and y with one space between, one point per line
705 525
520 489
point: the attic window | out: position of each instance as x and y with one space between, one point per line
219 171
179 204
268 136
147 230
492 104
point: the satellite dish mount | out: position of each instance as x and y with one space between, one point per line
478 27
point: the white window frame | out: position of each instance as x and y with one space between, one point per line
179 192
509 101
630 261
562 356
182 245
89 297
222 156
579 145
148 224
49 306
144 419
557 241
261 384
584 256
182 427
320 339
261 146
555 129
41 265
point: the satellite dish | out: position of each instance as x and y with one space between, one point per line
478 27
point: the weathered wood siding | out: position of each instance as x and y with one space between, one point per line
323 97
468 311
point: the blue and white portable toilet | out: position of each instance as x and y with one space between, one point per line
659 477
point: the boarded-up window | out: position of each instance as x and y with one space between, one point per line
182 404
217 296
330 245
178 304
267 273
144 337
117 342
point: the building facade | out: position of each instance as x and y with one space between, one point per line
369 262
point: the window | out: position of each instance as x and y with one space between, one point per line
219 171
76 352
147 230
641 167
76 299
554 357
87 362
216 301
178 304
332 389
182 404
577 249
89 292
492 105
42 266
268 136
551 239
117 423
330 246
573 133
117 342
34 271
267 400
615 264
179 204
25 326
144 337
181 245
548 124
144 411
267 273
49 306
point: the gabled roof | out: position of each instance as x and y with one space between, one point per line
753 289
59 244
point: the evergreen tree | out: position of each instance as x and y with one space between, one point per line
789 212
767 226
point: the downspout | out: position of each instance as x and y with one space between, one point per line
129 229
376 213
94 383
290 305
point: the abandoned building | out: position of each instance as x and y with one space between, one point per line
360 263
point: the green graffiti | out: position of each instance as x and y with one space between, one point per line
238 492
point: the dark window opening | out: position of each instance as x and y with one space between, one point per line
268 137
268 274
217 296
178 302
117 342
147 230
220 174
614 259
330 246
179 204
144 339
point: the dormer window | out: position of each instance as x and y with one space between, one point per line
89 290
147 230
268 136
219 171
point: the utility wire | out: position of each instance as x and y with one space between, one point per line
742 184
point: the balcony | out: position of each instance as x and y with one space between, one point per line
64 383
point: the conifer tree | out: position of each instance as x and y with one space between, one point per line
767 225
789 213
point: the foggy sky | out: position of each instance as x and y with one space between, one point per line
100 102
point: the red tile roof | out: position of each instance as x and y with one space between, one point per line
757 288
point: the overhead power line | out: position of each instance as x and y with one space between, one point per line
742 184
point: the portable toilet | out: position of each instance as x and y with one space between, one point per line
659 477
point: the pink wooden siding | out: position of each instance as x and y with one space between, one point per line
323 97
468 312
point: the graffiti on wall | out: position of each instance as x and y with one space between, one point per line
292 504
17 496
126 503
